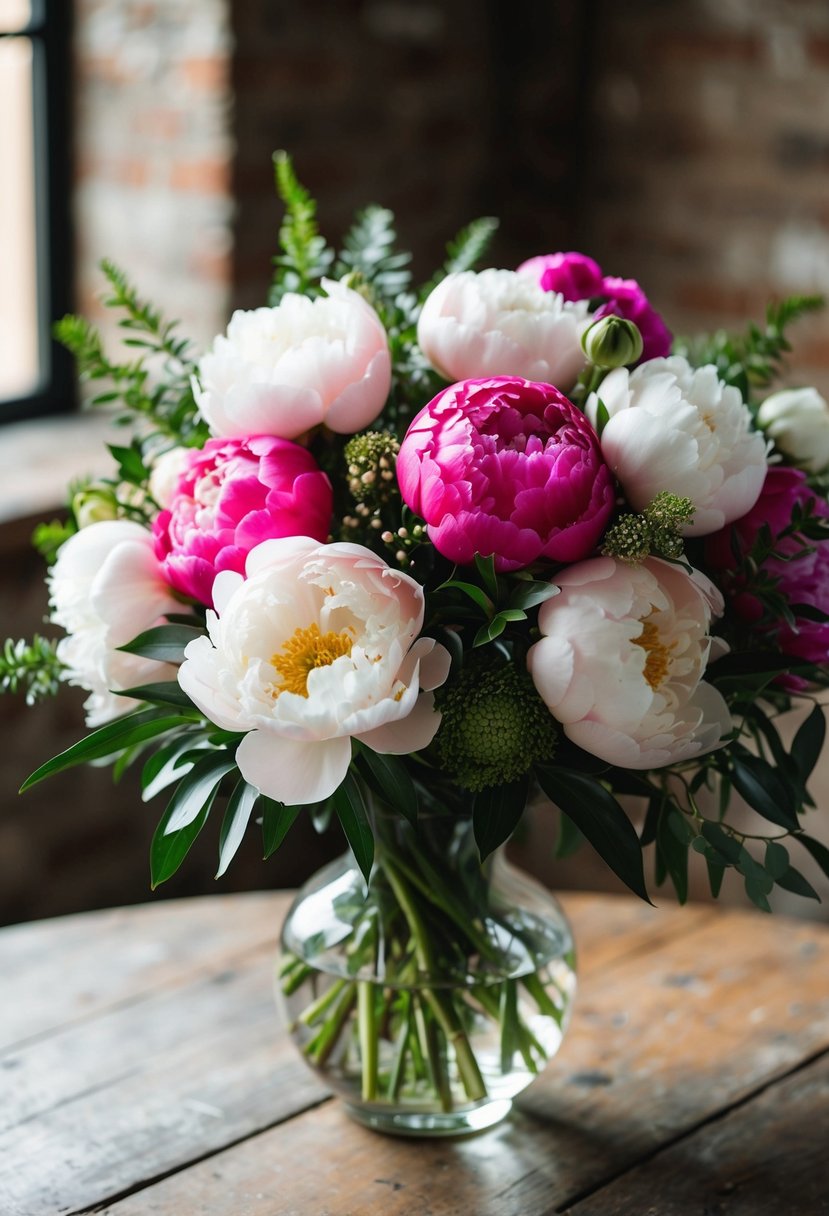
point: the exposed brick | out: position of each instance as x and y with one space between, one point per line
209 176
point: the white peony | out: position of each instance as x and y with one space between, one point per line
317 645
281 371
165 473
797 419
104 589
677 428
621 662
501 323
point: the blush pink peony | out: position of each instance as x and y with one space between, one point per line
231 496
803 580
506 467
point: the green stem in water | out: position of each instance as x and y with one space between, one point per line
367 1023
313 1012
322 1044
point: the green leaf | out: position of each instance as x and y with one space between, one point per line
792 880
475 593
601 819
724 844
351 812
235 821
166 692
195 788
807 744
168 851
569 839
390 778
817 850
528 595
674 851
716 873
496 812
170 763
486 568
165 642
489 632
757 894
108 741
763 790
277 821
776 860
602 416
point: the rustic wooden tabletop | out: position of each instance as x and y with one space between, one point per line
143 1070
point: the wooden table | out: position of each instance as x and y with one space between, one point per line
143 1070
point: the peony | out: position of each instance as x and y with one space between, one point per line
165 473
621 661
500 323
104 589
802 580
797 419
506 467
231 496
318 645
677 428
281 371
577 277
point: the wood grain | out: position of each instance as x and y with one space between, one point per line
185 1098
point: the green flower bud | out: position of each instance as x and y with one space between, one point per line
612 342
494 725
93 506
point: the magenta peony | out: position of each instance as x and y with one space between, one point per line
231 496
803 580
577 277
508 467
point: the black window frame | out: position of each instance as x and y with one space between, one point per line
49 30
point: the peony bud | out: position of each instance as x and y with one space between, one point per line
93 507
612 342
797 419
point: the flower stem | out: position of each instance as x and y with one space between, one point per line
368 1038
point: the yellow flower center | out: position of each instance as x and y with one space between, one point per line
657 654
305 650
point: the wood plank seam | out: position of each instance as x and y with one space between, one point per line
570 1207
137 1187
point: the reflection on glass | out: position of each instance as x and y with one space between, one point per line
19 363
14 14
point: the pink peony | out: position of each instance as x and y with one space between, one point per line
231 496
804 580
577 277
508 467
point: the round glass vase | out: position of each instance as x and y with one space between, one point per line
431 996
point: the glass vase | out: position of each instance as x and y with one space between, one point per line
431 996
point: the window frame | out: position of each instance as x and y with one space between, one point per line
49 31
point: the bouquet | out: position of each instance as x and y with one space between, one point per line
404 558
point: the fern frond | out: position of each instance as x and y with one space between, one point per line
305 257
369 250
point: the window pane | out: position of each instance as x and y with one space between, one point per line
14 14
19 355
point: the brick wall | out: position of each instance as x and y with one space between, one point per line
153 152
709 158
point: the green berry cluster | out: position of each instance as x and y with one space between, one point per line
494 725
370 459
